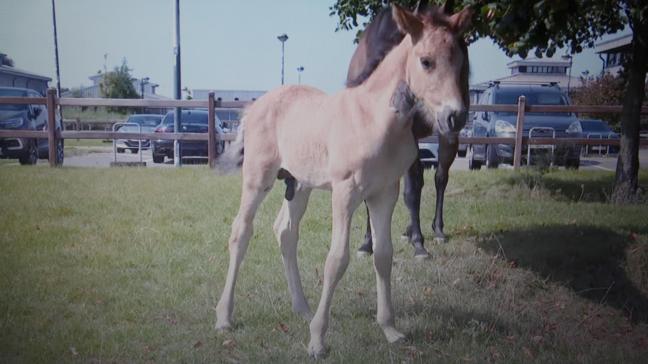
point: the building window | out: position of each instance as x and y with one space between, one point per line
522 69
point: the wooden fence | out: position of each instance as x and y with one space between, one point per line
53 135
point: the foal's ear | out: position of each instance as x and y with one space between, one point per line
407 22
461 21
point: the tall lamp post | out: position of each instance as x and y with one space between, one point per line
300 69
177 93
571 60
282 38
143 82
56 57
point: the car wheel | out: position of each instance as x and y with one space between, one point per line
120 150
134 150
60 152
492 160
472 163
31 156
158 158
462 153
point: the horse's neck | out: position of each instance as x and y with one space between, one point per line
390 72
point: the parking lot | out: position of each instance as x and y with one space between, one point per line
103 156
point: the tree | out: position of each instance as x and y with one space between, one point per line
603 90
520 26
118 84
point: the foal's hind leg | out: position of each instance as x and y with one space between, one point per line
381 207
366 248
447 154
286 228
252 195
344 202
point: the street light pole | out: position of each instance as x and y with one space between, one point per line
177 92
143 82
282 38
56 57
300 69
571 61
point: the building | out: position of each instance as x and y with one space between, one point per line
14 77
230 117
94 91
613 52
533 71
228 95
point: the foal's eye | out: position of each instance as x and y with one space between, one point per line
427 64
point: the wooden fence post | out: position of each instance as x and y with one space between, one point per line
519 131
211 130
51 126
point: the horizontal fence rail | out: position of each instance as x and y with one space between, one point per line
211 104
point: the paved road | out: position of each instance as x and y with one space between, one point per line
103 156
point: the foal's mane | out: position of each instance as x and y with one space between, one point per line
381 36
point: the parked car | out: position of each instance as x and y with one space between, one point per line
594 129
148 123
428 152
192 121
503 124
466 132
25 117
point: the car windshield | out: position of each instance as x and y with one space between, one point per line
533 97
145 120
595 127
12 93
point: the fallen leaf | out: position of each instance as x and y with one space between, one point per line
527 352
427 291
73 350
282 327
229 343
197 344
456 281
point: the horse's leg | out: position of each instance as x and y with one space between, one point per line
286 228
447 154
367 248
412 198
344 202
252 195
381 206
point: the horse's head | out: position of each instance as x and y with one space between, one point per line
437 65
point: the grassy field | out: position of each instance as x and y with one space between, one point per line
90 114
126 265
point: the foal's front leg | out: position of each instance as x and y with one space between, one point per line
344 202
381 206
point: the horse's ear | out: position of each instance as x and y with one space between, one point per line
407 22
462 20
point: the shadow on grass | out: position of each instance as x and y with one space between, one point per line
585 187
590 260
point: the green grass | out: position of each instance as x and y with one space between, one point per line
126 265
90 114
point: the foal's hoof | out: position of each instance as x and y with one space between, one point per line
223 326
440 240
393 336
317 351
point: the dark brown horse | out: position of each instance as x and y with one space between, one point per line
380 36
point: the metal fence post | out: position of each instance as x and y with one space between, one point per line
519 131
211 130
51 126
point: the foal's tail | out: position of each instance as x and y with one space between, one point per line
232 158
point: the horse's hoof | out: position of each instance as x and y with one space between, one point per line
440 239
223 326
317 351
363 254
364 251
421 255
393 336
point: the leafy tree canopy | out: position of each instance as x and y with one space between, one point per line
117 84
517 26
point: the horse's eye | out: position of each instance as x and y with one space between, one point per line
427 64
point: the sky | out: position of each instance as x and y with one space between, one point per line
225 44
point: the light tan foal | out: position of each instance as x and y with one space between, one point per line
354 144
